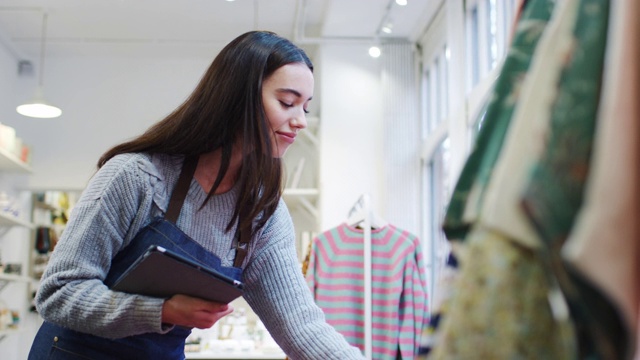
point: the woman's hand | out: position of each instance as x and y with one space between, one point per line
193 312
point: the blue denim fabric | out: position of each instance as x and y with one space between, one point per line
55 342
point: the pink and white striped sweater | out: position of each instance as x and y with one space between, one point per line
399 289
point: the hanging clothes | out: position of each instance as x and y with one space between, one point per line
555 109
499 308
555 190
603 246
524 141
501 255
463 208
439 303
398 287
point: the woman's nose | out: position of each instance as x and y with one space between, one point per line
300 121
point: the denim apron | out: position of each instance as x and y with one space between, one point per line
55 342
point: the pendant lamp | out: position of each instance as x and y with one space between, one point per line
38 107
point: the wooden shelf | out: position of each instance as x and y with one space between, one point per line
9 162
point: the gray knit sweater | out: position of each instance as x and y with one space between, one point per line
124 196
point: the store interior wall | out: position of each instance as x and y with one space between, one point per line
350 131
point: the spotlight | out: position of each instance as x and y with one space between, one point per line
387 28
374 51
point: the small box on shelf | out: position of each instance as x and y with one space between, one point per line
15 154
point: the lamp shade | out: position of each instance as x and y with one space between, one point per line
38 107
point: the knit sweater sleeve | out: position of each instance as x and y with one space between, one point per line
277 292
113 207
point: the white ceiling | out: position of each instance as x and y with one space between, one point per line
188 28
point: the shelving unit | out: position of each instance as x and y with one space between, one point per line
48 205
12 165
8 221
302 192
304 198
7 332
301 161
11 277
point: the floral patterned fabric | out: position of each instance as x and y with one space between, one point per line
467 195
500 309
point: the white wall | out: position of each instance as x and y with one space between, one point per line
350 130
104 101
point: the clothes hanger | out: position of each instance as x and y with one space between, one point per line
361 212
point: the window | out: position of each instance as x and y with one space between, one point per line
436 86
473 52
426 104
435 159
436 174
488 24
477 32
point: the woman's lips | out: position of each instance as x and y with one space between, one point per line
287 137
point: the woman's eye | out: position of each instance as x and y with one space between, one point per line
306 111
286 104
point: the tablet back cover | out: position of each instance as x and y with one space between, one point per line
162 275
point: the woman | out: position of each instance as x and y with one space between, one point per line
225 142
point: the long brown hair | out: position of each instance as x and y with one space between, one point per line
226 106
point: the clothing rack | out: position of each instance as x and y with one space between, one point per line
363 216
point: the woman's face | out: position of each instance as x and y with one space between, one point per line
285 97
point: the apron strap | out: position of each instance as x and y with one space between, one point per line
177 199
182 188
242 247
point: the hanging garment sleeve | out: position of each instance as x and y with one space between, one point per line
181 189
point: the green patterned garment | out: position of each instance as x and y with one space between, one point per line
555 191
499 308
495 119
554 194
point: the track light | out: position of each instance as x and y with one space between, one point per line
374 51
387 28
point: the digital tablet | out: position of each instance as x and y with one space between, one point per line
160 272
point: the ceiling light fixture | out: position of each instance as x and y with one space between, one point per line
387 28
374 51
38 107
401 2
